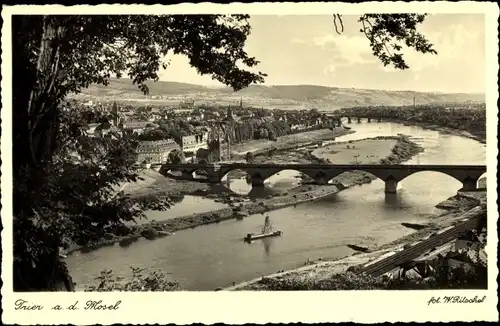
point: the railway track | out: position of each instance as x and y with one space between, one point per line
385 265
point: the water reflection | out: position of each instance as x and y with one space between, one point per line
267 245
392 201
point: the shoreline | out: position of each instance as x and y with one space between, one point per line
402 151
290 141
446 130
320 270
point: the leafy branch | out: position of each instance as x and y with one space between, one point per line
388 33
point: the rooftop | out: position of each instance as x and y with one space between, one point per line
156 145
138 124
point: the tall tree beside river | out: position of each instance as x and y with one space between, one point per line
57 55
57 199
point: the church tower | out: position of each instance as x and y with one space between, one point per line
229 113
114 113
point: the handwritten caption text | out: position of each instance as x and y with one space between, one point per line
21 304
455 299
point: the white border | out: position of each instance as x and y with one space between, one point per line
254 307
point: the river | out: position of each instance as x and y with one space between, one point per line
214 255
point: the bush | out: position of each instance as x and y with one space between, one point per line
344 281
155 281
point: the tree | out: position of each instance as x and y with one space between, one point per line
314 112
272 135
57 199
389 33
249 157
176 156
153 135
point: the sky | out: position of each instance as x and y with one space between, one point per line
299 50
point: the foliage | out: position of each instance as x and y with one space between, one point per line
456 278
345 281
176 156
249 157
155 281
154 135
256 129
65 182
210 155
389 33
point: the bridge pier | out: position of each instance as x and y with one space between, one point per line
213 175
257 180
469 184
359 120
349 120
339 123
391 186
369 119
321 179
187 176
213 179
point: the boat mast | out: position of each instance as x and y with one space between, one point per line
267 225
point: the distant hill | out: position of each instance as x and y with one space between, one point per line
124 86
277 96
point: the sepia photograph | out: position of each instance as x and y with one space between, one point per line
234 152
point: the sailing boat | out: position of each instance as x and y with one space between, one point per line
267 231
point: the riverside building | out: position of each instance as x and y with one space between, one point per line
155 152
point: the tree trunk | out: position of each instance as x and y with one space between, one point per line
37 266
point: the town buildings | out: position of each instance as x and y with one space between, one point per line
155 152
192 143
138 127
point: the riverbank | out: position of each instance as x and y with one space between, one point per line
313 272
262 147
478 136
403 150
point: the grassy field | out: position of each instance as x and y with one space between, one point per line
304 137
368 151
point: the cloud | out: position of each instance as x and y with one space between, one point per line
452 44
329 70
343 51
298 41
351 50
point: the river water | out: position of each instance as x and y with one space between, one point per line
214 255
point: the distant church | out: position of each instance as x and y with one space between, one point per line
230 114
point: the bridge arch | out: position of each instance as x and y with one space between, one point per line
464 180
258 176
176 173
481 182
236 173
198 174
236 180
351 177
414 174
287 175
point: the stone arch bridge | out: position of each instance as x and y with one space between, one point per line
468 175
